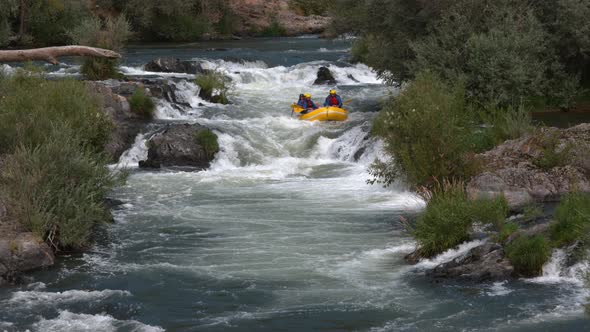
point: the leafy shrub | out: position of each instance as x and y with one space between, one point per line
56 189
215 86
446 222
528 255
141 104
551 155
572 219
208 140
31 107
49 21
97 69
426 130
275 29
113 34
54 178
490 211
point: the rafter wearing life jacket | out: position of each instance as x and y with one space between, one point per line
333 100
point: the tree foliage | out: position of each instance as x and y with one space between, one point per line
506 52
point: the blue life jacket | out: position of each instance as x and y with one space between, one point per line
308 104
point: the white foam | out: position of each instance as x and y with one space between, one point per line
499 289
139 71
131 157
69 321
449 255
34 298
555 271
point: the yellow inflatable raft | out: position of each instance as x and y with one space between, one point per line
323 114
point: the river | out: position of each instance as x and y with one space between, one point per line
282 233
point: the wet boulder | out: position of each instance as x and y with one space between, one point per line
174 65
181 145
483 263
325 77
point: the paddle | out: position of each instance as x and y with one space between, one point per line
347 102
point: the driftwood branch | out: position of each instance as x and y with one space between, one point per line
50 54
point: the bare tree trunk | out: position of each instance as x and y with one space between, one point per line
50 54
23 15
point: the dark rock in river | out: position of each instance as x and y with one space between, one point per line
178 145
127 125
325 77
512 168
483 263
173 65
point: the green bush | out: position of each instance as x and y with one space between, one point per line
113 34
215 86
551 156
275 29
490 211
528 255
426 130
31 107
141 104
49 21
208 140
446 222
505 51
450 214
572 219
56 189
54 177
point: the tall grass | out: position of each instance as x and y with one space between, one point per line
141 104
572 220
208 141
54 177
450 215
215 86
529 254
501 124
31 108
56 189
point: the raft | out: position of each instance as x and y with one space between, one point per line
323 114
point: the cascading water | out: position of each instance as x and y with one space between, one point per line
282 233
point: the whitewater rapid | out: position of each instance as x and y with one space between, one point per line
282 233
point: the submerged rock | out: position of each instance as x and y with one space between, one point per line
179 145
174 65
325 77
514 167
483 263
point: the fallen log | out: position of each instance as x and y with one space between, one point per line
51 54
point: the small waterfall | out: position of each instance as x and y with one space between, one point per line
131 157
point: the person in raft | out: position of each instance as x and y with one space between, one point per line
307 104
333 100
301 100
